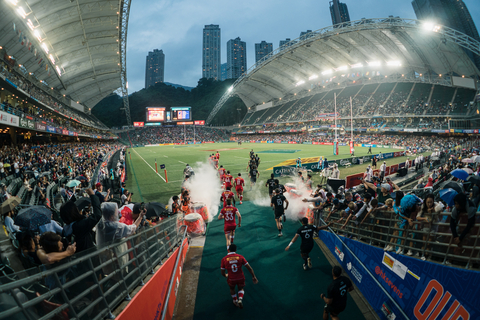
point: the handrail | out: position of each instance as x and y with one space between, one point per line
103 278
384 228
369 273
172 278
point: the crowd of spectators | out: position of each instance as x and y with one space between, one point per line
27 109
367 104
159 135
422 222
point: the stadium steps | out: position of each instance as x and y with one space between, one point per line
409 95
369 98
430 96
391 92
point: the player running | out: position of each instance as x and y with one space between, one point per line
271 185
229 214
227 180
277 203
228 194
231 268
239 184
306 233
221 172
253 174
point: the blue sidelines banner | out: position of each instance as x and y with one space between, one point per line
423 290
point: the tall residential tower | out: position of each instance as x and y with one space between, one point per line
155 68
211 52
262 49
339 12
236 58
450 13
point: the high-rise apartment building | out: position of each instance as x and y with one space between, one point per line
236 58
450 13
339 12
223 71
262 49
211 52
155 68
305 34
282 42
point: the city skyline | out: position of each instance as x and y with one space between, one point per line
183 43
211 52
154 68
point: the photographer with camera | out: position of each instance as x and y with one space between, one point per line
126 197
81 226
52 248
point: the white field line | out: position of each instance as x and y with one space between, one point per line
182 162
148 165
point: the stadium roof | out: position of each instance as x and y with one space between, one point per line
392 45
84 39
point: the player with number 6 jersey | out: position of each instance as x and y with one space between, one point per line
239 184
229 214
305 232
231 268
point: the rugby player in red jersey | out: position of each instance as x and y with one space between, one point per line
217 155
229 214
231 268
228 179
228 194
239 184
221 172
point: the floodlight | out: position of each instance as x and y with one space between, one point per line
313 77
51 58
22 12
300 83
374 63
329 71
356 65
342 68
14 2
45 48
430 26
30 24
394 63
230 89
37 35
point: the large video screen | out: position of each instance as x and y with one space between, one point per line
155 114
181 113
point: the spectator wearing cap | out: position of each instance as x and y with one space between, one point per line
367 176
81 226
98 192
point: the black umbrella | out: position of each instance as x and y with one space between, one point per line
155 209
452 184
82 203
44 174
33 217
81 178
474 179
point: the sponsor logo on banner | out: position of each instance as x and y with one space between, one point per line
23 123
30 124
138 124
339 253
356 274
50 129
65 132
76 134
40 126
70 133
8 119
58 130
199 122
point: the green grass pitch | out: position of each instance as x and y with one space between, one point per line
148 186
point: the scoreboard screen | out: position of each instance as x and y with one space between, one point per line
181 113
155 114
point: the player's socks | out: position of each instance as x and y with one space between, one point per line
234 298
240 294
241 197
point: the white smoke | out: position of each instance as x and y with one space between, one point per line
296 207
205 187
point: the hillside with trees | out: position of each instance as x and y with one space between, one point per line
202 99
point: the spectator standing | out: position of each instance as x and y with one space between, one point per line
462 207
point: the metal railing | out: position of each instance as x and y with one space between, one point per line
433 240
89 285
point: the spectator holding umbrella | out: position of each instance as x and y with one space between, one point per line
80 225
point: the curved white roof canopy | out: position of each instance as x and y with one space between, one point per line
83 37
400 46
